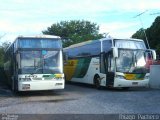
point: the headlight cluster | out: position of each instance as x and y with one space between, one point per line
58 78
24 79
59 75
120 77
146 77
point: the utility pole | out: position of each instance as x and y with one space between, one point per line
155 13
139 15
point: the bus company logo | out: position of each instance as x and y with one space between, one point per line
30 76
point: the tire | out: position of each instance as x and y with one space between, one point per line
97 82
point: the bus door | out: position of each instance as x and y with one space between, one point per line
107 67
110 69
102 63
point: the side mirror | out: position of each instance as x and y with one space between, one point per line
153 54
115 52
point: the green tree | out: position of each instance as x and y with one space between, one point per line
2 49
74 31
5 45
139 34
153 35
2 56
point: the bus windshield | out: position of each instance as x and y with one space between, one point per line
40 62
131 61
39 43
130 44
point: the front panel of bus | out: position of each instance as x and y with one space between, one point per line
40 67
131 65
131 68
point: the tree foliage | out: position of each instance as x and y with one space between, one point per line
1 56
2 48
139 34
74 31
152 33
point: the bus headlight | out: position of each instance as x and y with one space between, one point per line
24 79
59 76
146 77
120 77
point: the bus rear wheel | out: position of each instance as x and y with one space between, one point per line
97 81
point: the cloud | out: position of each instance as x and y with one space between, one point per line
33 16
114 26
8 26
79 7
141 5
120 29
12 30
136 5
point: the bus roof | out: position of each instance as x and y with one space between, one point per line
102 39
39 36
34 36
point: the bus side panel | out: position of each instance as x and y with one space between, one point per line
76 69
83 71
69 69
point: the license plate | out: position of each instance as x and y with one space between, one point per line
134 83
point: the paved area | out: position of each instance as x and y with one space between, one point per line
78 99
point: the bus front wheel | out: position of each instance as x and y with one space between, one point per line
97 81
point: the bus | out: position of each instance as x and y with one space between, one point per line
110 62
35 63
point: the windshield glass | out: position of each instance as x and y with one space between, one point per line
131 61
39 43
40 62
130 44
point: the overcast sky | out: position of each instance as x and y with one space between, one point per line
116 17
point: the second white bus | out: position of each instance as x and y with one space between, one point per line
109 62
